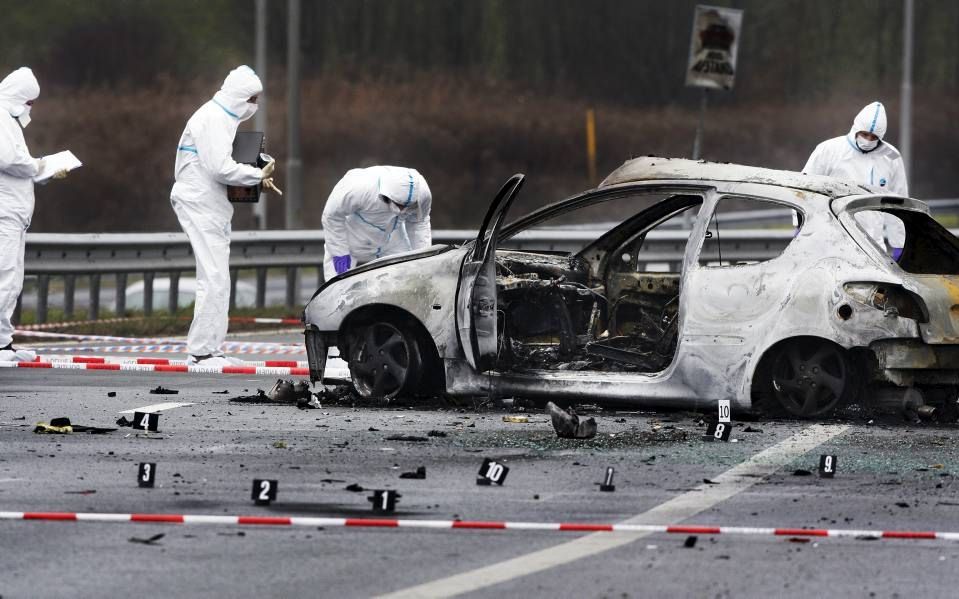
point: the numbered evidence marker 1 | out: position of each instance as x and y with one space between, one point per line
607 484
718 431
264 491
146 421
384 501
827 466
492 472
147 474
724 411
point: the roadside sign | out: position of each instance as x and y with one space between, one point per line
713 47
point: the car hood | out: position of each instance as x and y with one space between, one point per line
433 250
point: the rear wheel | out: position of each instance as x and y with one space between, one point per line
811 377
385 361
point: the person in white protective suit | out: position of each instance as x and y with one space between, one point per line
18 90
375 212
862 157
204 167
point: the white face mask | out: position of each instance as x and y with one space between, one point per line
251 109
866 145
22 114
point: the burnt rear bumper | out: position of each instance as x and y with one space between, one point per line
316 348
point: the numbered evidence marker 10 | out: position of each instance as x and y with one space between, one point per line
264 491
827 466
146 421
718 431
147 474
492 472
384 501
607 484
724 410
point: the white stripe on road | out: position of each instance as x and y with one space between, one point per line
157 407
732 482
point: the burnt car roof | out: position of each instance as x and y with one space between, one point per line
652 168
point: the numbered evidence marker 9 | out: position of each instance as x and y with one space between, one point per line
492 472
607 484
384 501
264 491
724 410
827 466
146 421
147 474
718 431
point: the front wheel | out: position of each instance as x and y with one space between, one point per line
385 361
811 377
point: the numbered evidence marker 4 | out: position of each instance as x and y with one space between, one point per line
264 491
384 501
146 421
725 412
492 472
147 474
607 484
827 466
718 431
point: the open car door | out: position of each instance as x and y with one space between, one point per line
476 296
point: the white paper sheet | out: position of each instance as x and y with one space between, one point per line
55 163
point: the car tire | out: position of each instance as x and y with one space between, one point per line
811 377
385 361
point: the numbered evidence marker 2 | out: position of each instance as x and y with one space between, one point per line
384 501
718 431
264 491
146 421
724 411
147 474
607 484
492 472
827 466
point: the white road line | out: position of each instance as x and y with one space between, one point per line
157 407
732 482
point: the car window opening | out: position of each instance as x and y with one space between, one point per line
928 248
613 306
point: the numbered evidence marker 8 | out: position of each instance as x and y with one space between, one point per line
607 484
827 466
384 501
147 474
718 431
492 472
725 411
146 421
264 491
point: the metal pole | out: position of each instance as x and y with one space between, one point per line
294 165
698 141
259 119
905 93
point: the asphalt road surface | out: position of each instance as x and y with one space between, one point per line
891 476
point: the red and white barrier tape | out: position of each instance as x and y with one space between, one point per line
75 323
475 525
263 370
150 340
162 361
233 348
252 320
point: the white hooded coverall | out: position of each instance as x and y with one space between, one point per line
358 223
882 167
17 169
204 167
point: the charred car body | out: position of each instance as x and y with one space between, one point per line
824 316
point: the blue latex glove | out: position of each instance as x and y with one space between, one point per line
896 253
341 264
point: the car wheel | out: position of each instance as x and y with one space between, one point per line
384 361
811 377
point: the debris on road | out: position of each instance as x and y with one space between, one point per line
568 425
411 438
801 472
150 541
709 482
160 390
122 421
279 445
515 419
112 394
83 492
354 488
690 541
436 434
62 426
419 474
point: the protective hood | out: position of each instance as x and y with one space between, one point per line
237 88
16 89
399 185
872 118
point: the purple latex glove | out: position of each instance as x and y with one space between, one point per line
896 253
341 264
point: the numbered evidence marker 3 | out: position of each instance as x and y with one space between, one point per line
146 421
492 472
725 412
827 466
147 474
718 431
384 501
607 484
264 491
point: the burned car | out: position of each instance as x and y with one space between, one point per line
667 306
